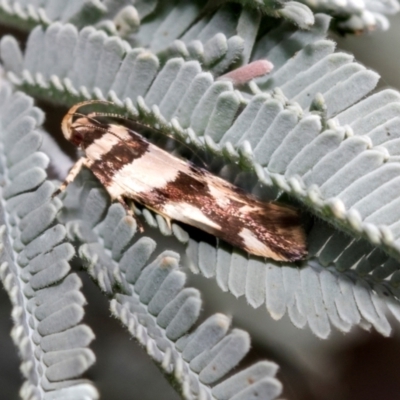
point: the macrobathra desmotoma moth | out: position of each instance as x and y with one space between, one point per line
132 169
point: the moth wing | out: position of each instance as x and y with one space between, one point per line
134 168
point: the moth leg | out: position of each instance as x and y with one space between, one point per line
129 210
124 204
168 221
73 172
132 206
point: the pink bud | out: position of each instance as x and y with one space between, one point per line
244 74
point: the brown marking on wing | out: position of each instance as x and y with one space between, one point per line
121 154
276 226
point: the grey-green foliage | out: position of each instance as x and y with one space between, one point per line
306 131
125 17
137 20
275 141
151 300
356 16
35 271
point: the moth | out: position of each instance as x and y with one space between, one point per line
132 169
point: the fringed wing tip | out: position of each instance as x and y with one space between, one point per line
298 250
286 240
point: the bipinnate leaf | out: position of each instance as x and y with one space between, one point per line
148 295
35 271
295 134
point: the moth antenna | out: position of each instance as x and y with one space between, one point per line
67 122
110 115
90 118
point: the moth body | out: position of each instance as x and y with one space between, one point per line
130 167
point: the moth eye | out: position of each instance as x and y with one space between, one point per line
77 138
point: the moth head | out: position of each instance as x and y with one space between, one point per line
72 127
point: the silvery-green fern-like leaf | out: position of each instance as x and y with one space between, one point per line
27 14
356 16
123 18
150 298
137 21
284 140
35 271
179 23
215 50
345 282
305 133
193 108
